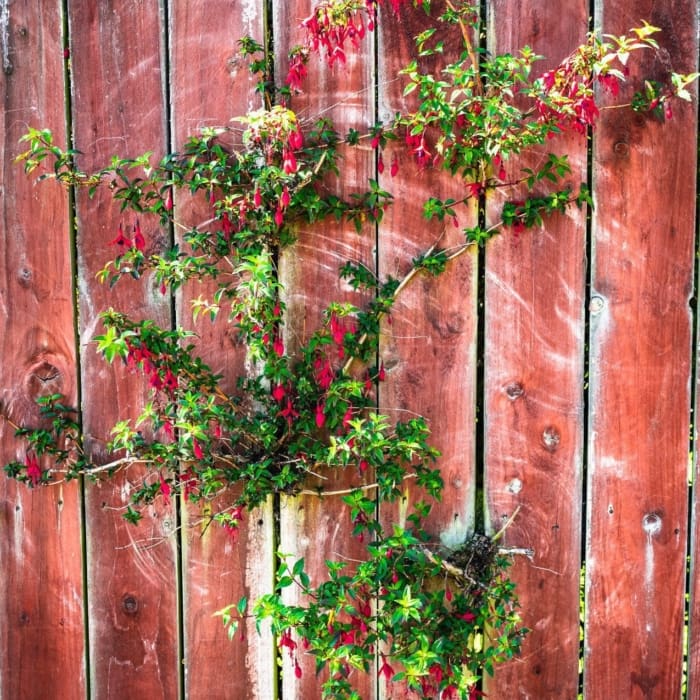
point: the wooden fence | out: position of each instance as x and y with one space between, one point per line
558 369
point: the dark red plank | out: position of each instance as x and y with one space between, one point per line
42 643
118 109
210 84
533 384
643 237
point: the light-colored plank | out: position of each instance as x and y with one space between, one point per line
210 84
310 527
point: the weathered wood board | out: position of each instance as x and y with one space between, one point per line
533 382
640 364
210 85
118 108
41 591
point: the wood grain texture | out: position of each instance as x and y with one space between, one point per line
310 527
429 345
533 383
42 644
210 84
119 109
643 234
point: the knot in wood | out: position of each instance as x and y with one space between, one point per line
130 605
551 438
514 390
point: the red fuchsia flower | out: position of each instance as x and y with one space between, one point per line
386 670
278 392
289 161
297 669
197 450
323 372
169 200
190 483
362 466
257 198
170 381
381 375
226 226
139 240
375 141
394 166
155 381
610 83
337 329
289 412
297 70
295 139
285 198
499 168
278 346
436 672
168 430
279 216
466 616
33 469
121 239
165 490
320 414
668 112
231 529
475 189
286 642
217 431
380 164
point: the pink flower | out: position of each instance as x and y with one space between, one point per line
197 450
278 392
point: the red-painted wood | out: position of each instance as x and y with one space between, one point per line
41 637
314 528
533 384
429 345
118 108
643 235
210 84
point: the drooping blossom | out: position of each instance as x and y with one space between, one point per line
33 469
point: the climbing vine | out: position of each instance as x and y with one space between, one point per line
432 618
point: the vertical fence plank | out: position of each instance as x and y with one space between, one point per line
644 174
533 357
210 85
429 348
118 109
41 643
311 527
